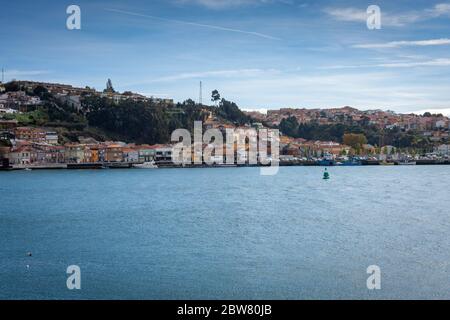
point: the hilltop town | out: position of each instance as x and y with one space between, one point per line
428 123
47 124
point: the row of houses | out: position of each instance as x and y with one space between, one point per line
72 95
303 148
380 118
37 135
25 153
18 100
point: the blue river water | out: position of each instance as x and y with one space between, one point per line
226 233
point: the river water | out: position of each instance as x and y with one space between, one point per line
226 233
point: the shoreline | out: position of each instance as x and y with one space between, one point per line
168 165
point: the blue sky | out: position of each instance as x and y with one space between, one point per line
263 54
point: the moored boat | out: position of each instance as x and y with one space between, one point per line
406 163
352 162
326 162
146 165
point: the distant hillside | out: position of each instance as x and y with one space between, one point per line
126 120
375 135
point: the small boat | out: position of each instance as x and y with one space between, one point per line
27 169
118 165
351 163
326 163
407 163
146 165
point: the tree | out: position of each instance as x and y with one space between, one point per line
40 91
215 96
354 140
11 86
289 126
230 111
189 102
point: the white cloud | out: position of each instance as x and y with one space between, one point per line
214 74
153 94
397 44
237 73
12 74
218 4
352 14
360 15
261 110
444 111
195 24
347 14
225 4
208 74
441 62
441 9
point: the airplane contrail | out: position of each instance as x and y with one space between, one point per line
257 34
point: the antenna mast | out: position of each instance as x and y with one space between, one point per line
200 99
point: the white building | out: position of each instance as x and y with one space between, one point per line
163 154
443 149
440 124
51 137
71 100
4 110
130 155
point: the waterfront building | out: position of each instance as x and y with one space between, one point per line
130 155
55 154
114 153
22 155
146 153
163 153
74 153
93 155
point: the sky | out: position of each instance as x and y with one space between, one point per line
262 54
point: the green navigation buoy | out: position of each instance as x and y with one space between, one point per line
326 175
